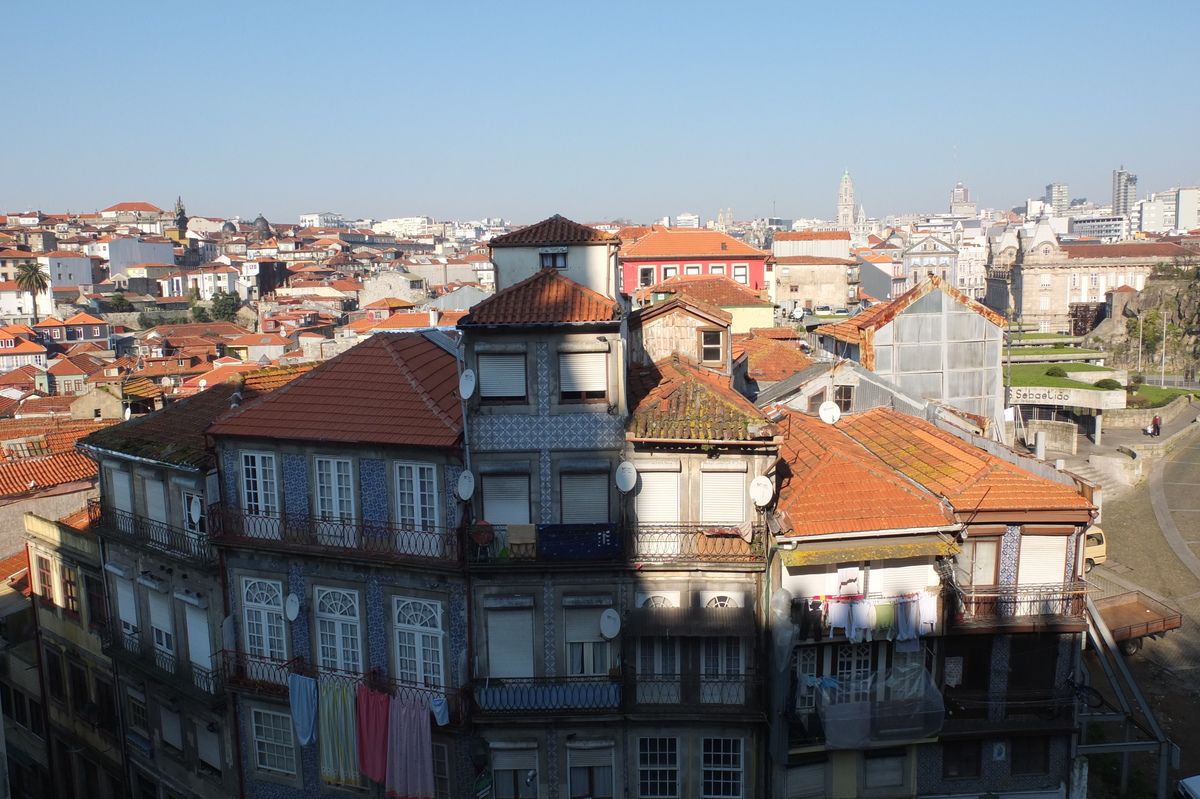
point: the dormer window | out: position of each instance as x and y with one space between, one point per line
555 258
712 350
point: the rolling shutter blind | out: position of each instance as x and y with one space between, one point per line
120 499
722 496
160 612
199 643
658 497
514 759
171 734
582 624
510 643
582 758
156 500
1043 559
902 576
806 781
208 747
126 602
502 375
883 772
506 498
584 498
583 371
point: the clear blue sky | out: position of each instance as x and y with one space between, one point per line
592 110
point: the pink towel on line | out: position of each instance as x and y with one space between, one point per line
410 751
372 733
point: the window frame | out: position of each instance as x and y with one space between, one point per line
486 362
587 365
45 573
333 499
269 613
967 756
701 346
425 639
340 633
710 770
1024 750
658 767
741 274
68 576
261 468
553 260
277 747
425 512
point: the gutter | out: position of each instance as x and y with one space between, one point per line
897 532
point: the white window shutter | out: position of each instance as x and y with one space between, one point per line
126 602
658 497
199 643
591 757
510 643
582 624
171 732
723 497
156 500
583 371
208 747
160 612
121 499
1043 559
502 375
514 759
584 498
506 498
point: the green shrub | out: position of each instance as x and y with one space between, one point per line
1136 379
1056 371
1108 384
1136 401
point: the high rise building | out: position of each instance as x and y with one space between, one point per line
1124 191
960 201
1058 197
845 215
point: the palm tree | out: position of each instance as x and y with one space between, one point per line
30 277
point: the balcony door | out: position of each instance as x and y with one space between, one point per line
722 671
658 514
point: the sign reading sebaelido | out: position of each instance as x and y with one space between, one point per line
1071 397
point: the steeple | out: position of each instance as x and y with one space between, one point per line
845 217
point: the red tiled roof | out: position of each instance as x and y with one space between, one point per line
545 298
813 235
555 231
42 406
770 360
1124 289
258 340
662 242
390 302
814 260
394 389
719 290
684 302
675 400
144 207
60 463
1132 249
13 565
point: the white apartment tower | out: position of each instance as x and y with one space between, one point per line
1058 198
1124 191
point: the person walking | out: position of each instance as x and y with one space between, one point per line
1156 425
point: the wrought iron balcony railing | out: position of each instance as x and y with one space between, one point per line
549 695
987 606
544 543
307 534
193 679
707 693
689 542
147 533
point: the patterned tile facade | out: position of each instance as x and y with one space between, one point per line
1072 546
542 370
229 474
372 476
998 685
573 431
545 466
377 625
295 486
552 763
548 605
450 475
1010 545
459 672
295 584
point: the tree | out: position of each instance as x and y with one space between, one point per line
30 278
194 297
200 314
225 306
119 304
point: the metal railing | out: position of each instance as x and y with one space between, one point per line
548 694
167 667
372 540
690 542
986 605
715 692
553 543
143 532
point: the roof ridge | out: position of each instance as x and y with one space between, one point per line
417 385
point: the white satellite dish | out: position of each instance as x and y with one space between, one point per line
128 413
466 485
466 384
194 510
291 607
626 477
610 624
761 490
829 412
203 384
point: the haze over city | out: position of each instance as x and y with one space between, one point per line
466 110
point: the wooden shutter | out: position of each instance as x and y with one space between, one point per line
514 759
502 375
1043 559
208 747
120 499
506 498
171 733
156 500
583 371
510 643
722 497
199 641
658 497
584 498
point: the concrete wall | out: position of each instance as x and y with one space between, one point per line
1060 436
1135 418
51 504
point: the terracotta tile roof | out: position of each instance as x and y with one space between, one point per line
227 329
52 458
662 242
13 565
267 380
80 519
389 302
777 333
719 290
769 359
1125 289
394 389
545 298
405 320
555 231
45 406
1133 249
259 340
813 235
813 260
143 207
674 400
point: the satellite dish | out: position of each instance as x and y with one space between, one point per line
610 624
761 490
194 510
128 413
829 412
466 485
203 384
291 607
466 384
626 477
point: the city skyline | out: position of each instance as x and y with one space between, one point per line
285 109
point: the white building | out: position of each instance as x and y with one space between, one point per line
687 220
322 219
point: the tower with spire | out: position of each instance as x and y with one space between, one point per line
845 216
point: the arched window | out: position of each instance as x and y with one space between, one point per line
418 627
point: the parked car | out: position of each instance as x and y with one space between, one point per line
1188 788
823 310
841 311
1095 550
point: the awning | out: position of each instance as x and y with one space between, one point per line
873 549
691 621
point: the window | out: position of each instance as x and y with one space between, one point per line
722 497
588 654
658 768
554 260
852 666
258 483
335 492
815 401
502 377
1043 303
741 273
716 269
208 750
52 663
844 397
1093 280
691 269
418 626
70 589
722 768
658 670
172 733
960 759
582 376
106 703
162 623
263 607
135 704
711 349
584 497
591 773
77 675
45 580
441 771
1030 755
976 564
506 498
646 276
794 289
273 749
338 629
511 773
883 768
670 271
510 642
95 331
126 605
1045 280
416 493
721 668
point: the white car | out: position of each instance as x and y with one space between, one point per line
1188 788
841 311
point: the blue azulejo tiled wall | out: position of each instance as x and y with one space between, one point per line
450 476
296 585
295 486
229 474
372 476
570 431
377 625
458 635
995 775
1010 547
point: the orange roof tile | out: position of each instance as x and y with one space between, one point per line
391 389
719 290
771 360
54 459
663 242
813 235
1132 249
545 298
555 231
675 400
143 207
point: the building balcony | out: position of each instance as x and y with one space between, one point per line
182 676
695 694
697 542
1020 608
158 537
548 695
972 711
492 545
268 676
370 541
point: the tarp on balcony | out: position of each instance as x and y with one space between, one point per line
873 549
578 541
691 621
896 704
